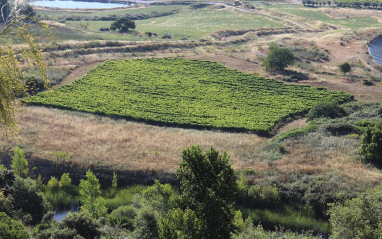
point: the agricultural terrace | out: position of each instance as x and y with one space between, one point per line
190 93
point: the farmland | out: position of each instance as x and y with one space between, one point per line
187 93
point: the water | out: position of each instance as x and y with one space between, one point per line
77 4
60 215
375 50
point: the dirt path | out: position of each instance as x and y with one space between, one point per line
78 73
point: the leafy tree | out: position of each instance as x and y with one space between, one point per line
159 196
114 183
278 59
371 147
146 224
19 163
91 200
10 228
53 184
208 187
28 199
122 24
179 224
28 11
344 67
359 217
11 73
65 181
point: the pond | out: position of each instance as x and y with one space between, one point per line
59 215
375 50
77 4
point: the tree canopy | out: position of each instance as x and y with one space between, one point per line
208 187
278 59
122 24
11 68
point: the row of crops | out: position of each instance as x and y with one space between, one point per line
180 92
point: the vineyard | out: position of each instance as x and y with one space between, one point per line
188 93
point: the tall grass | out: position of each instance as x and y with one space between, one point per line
115 198
288 218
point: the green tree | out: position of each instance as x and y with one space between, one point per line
11 71
10 228
278 59
122 24
28 199
28 11
90 196
19 163
359 217
208 187
344 67
160 197
65 181
179 224
114 183
146 224
371 147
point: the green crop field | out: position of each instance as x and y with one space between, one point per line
190 93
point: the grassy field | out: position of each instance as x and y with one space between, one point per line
61 15
187 93
349 22
199 23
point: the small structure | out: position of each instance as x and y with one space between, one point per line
236 3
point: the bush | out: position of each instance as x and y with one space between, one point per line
359 217
340 129
326 110
10 228
371 147
83 224
28 199
278 59
344 67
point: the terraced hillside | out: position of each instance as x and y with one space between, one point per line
190 93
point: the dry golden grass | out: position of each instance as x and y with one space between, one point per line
94 140
98 140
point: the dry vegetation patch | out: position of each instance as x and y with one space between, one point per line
131 146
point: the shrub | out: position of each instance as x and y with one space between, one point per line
28 199
371 147
340 129
326 110
278 59
359 217
83 224
344 67
10 228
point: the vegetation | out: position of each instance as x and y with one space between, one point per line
326 109
344 67
90 196
371 147
10 228
19 163
358 217
278 59
208 188
122 25
188 93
